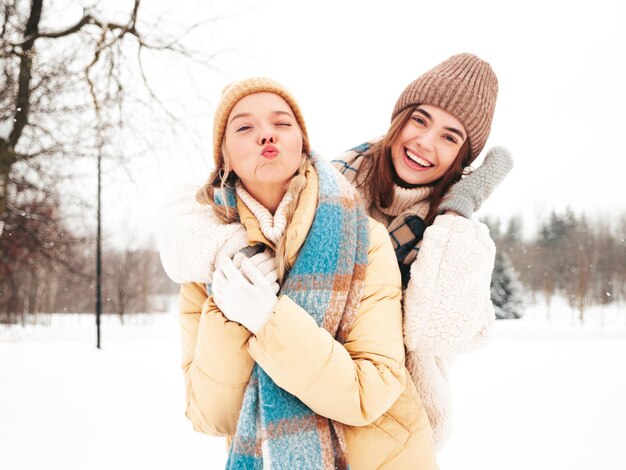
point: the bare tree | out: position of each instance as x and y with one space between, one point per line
605 289
132 276
584 268
68 95
620 256
31 254
121 282
66 91
581 259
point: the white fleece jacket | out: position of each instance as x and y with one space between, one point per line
447 309
191 238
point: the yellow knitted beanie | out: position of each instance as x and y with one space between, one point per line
235 91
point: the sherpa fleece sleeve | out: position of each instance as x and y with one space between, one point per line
355 382
447 305
215 362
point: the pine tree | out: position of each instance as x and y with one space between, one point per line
506 289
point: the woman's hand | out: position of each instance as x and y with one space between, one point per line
466 196
245 296
264 260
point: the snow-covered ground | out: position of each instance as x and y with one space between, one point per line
540 395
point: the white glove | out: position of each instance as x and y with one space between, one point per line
265 262
245 296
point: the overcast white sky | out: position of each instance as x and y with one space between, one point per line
561 67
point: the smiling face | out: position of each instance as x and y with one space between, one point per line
263 143
427 145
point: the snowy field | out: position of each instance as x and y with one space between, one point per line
540 396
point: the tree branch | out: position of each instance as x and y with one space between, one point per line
25 75
87 19
147 85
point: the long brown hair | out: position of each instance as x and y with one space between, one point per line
377 180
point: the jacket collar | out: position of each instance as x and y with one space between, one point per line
298 228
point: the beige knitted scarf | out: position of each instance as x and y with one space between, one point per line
272 226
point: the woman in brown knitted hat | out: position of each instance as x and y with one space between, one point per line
416 181
310 374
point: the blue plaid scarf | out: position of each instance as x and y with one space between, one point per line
275 429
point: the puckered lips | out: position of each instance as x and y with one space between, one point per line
416 161
270 152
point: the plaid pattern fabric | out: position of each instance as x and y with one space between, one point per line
405 240
406 228
349 163
275 429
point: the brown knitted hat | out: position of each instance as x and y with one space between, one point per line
466 87
233 92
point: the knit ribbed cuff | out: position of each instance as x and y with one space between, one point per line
461 205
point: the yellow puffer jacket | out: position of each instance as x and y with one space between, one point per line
362 383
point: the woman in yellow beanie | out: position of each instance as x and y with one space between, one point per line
292 337
412 180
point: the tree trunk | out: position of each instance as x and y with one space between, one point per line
6 162
22 106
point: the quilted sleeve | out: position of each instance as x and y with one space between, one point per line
215 363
